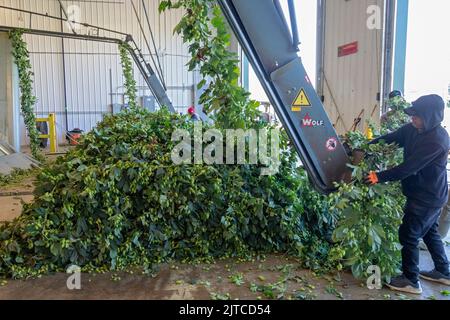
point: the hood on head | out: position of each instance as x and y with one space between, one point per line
430 109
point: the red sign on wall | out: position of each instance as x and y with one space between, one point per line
348 49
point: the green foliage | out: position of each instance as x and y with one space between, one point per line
237 279
366 233
369 216
118 201
332 290
27 99
220 296
16 176
127 69
270 291
207 34
396 116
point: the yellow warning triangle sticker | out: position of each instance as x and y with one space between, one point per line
302 100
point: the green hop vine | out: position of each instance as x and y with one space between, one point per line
117 200
396 116
366 218
366 233
130 83
204 29
27 99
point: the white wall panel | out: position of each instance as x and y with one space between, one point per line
351 83
92 70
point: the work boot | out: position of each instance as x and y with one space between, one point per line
403 284
435 276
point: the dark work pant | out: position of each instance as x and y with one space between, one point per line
421 222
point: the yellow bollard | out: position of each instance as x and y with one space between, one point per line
51 120
369 133
52 132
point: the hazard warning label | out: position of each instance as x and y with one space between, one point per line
301 101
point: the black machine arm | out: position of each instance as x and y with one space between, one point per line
263 32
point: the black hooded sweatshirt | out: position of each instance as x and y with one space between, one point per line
423 172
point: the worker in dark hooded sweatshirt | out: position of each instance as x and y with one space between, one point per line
424 183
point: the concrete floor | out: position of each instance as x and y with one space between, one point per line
11 206
205 281
202 282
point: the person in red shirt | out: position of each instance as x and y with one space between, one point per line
194 116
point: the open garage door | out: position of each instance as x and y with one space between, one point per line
350 59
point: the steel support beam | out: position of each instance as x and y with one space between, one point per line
150 77
388 58
401 39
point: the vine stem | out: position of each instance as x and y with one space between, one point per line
130 83
27 99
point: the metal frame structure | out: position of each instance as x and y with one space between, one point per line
154 83
401 38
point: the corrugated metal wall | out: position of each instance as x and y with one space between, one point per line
9 98
5 70
351 83
92 70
